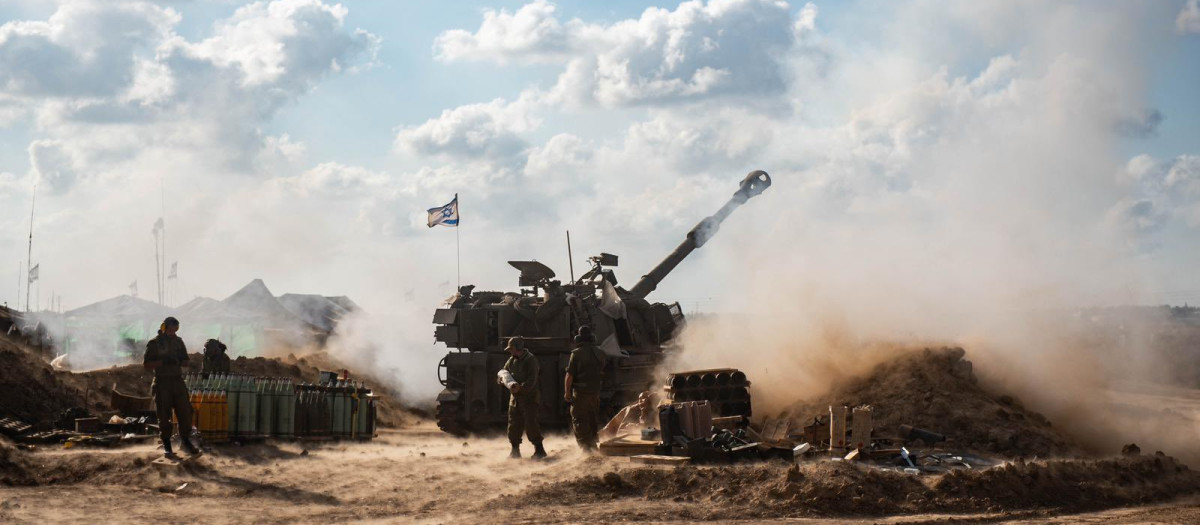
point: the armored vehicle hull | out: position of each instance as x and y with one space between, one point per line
636 333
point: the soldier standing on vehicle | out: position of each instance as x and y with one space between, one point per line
525 402
585 373
165 355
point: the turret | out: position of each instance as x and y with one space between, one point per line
752 185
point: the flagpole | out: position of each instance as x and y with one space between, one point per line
457 246
29 255
162 184
157 266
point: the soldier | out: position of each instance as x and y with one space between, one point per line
215 359
524 404
165 355
585 372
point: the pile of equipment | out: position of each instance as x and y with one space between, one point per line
339 409
705 418
236 407
725 389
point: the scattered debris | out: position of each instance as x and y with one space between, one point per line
60 363
626 445
801 452
908 433
13 427
172 462
126 404
651 459
87 425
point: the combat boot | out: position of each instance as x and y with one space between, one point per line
188 447
538 451
167 448
516 450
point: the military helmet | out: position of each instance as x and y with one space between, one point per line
584 335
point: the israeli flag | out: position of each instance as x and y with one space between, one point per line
445 215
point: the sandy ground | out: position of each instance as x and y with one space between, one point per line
414 475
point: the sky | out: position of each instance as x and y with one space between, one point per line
1049 148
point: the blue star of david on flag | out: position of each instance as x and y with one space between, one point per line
445 215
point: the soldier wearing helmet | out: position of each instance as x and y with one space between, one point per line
525 401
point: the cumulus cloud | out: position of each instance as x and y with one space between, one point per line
334 180
474 131
120 65
532 33
562 152
719 139
285 43
1143 123
84 49
1188 19
698 50
1160 191
53 165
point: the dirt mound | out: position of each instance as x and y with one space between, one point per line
33 392
29 389
848 489
747 492
936 389
1070 484
12 466
33 469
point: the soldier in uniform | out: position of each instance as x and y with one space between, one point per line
215 359
524 404
165 355
585 371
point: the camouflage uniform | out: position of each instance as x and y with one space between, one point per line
587 371
170 392
523 408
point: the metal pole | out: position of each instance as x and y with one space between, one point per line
457 259
157 267
29 255
162 180
457 246
66 338
570 259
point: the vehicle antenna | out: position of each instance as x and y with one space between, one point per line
570 259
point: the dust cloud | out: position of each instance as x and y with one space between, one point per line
983 211
394 346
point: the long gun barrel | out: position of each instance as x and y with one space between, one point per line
752 185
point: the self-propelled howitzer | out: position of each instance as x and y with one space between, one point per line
546 313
